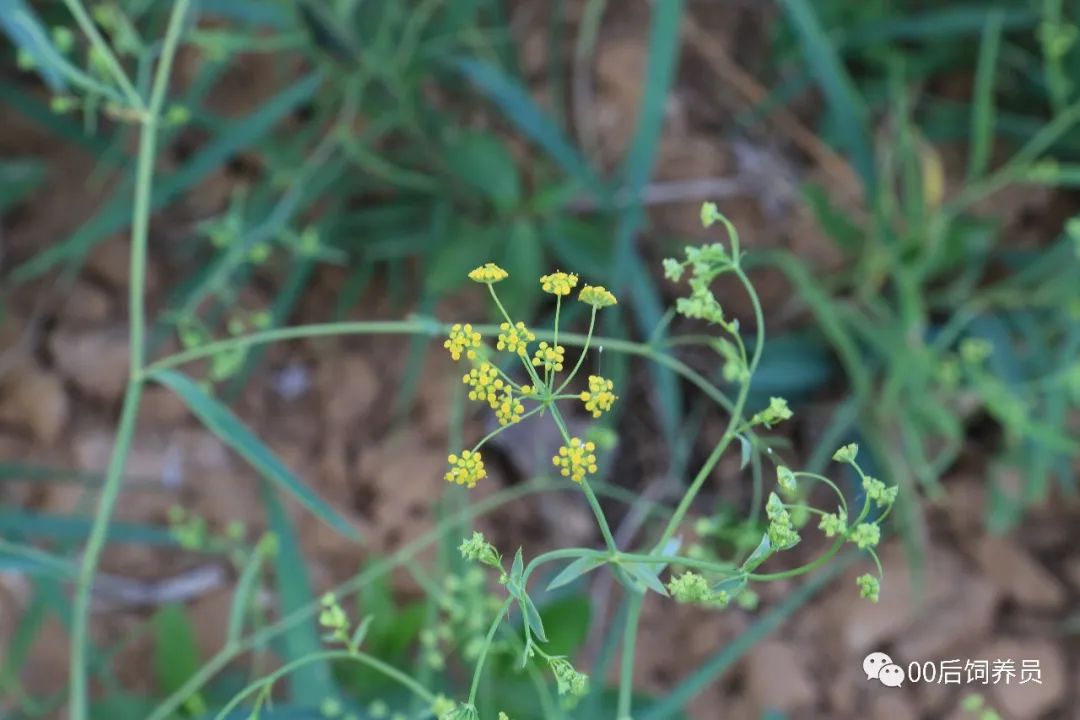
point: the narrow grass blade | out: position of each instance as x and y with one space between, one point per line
26 31
312 683
845 105
243 595
519 107
72 528
637 169
982 107
43 118
223 423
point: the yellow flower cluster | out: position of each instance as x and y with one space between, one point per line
488 273
485 383
463 339
599 397
466 469
514 338
598 296
508 408
549 356
558 283
576 460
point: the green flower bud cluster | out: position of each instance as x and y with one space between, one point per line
568 679
692 588
478 549
777 412
781 530
869 587
333 619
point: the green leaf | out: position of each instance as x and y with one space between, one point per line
532 616
232 431
18 178
982 106
761 554
312 683
730 585
575 570
836 223
845 106
516 102
327 30
646 576
176 656
517 569
26 32
243 595
483 162
466 246
70 528
567 622
746 451
522 256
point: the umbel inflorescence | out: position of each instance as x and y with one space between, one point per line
543 384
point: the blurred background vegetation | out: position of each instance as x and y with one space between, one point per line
901 172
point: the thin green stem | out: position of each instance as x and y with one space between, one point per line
803 569
594 504
80 612
827 481
144 177
478 670
264 685
719 567
581 356
86 24
626 667
373 571
501 428
736 418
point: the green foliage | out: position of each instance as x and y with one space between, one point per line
365 164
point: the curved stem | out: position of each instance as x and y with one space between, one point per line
487 646
594 504
827 481
802 570
581 356
736 418
264 684
140 229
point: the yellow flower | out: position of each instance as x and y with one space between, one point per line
597 295
558 283
485 383
550 357
515 339
488 273
466 469
462 340
576 460
598 398
508 409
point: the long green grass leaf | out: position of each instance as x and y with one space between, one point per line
312 683
845 105
663 57
223 423
517 104
982 107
